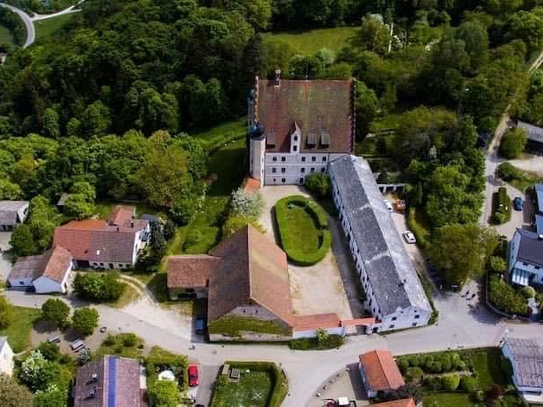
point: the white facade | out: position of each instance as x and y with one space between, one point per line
292 168
257 150
6 358
20 283
523 272
44 284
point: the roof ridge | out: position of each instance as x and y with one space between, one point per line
249 262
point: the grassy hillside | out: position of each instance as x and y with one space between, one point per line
45 28
5 36
309 42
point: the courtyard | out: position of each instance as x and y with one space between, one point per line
328 286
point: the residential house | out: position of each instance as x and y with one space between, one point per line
398 403
394 293
112 244
379 372
6 357
538 188
110 381
534 135
188 276
12 214
46 273
526 258
297 126
526 357
245 279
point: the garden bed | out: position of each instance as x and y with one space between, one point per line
303 229
262 384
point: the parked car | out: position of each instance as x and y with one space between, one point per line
388 205
200 324
518 203
193 375
409 237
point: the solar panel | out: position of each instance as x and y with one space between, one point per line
112 382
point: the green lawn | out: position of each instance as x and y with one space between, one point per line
5 36
488 366
50 26
309 42
303 229
116 345
18 332
221 134
528 179
447 400
252 390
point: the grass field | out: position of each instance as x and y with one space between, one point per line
309 42
253 390
5 36
219 135
488 367
447 400
46 28
303 229
18 332
129 296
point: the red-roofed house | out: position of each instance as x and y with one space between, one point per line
297 126
115 244
47 273
188 276
379 372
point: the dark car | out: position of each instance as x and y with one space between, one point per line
200 324
518 204
193 375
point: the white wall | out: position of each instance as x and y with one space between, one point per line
293 168
312 333
20 282
45 285
257 149
6 359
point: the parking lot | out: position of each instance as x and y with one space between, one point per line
345 383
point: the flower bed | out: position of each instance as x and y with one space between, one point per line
303 229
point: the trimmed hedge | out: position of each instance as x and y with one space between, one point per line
421 234
279 379
288 241
333 342
502 207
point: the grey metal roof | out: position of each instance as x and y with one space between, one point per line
3 340
534 133
539 193
527 360
539 224
392 275
530 248
8 211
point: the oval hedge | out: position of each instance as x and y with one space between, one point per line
287 237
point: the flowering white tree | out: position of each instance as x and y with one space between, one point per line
248 204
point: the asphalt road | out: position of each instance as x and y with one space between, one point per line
27 20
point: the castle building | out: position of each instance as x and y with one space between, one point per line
296 127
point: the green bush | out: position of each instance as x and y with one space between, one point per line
502 207
420 233
468 384
287 236
332 342
506 298
513 143
403 365
414 360
508 172
479 396
318 184
527 292
451 382
99 287
414 374
434 383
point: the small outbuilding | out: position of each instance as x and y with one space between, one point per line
379 372
6 357
12 214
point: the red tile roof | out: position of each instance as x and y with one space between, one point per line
398 403
53 264
251 185
310 322
381 370
121 216
190 271
253 269
316 106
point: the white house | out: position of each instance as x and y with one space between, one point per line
394 293
6 356
47 273
12 213
526 357
526 258
296 127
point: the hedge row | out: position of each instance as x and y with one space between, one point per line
419 232
502 207
279 380
333 342
288 241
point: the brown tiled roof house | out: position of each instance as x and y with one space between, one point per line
100 244
379 372
45 273
188 276
109 381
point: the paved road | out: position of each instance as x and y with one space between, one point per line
460 326
492 160
27 20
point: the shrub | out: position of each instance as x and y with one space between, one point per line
451 382
508 172
527 292
333 342
434 382
98 287
506 298
110 340
436 367
248 204
479 396
468 384
446 362
513 143
318 184
502 207
403 365
49 350
460 365
414 360
130 340
427 362
414 374
85 320
164 393
496 264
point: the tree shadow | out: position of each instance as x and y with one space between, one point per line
356 382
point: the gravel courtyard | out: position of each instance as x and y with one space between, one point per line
328 286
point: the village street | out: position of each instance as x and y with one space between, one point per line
462 324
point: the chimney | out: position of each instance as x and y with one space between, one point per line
277 77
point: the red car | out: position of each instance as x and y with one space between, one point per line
193 375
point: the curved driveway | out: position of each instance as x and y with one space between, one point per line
27 20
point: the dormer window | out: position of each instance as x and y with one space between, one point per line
325 140
295 138
311 140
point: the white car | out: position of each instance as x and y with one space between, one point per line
409 237
388 205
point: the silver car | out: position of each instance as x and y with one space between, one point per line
409 237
